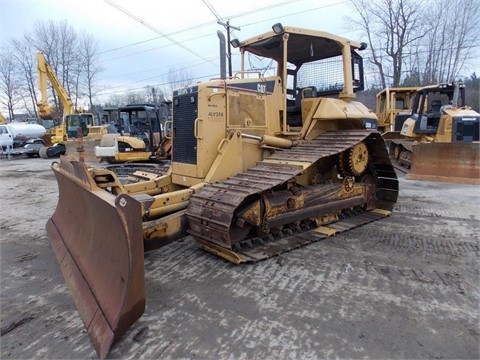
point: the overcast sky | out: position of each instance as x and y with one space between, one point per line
140 41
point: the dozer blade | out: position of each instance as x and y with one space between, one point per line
97 240
446 162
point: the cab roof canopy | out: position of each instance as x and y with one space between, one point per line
303 45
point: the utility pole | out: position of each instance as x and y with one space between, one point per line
229 51
154 96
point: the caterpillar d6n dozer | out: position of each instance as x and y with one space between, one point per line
439 141
260 165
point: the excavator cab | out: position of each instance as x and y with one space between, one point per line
82 121
262 163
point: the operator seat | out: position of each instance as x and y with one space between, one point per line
435 106
294 112
433 117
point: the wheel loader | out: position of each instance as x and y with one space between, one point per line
439 141
262 163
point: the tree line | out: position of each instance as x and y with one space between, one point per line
418 42
71 54
74 57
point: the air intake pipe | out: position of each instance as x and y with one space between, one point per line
223 55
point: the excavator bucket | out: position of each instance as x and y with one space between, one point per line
97 240
446 162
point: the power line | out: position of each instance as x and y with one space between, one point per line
212 10
260 69
218 16
238 15
151 27
159 85
203 25
157 76
155 48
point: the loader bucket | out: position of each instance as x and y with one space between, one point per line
97 240
446 162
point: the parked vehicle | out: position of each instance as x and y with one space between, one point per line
21 138
439 141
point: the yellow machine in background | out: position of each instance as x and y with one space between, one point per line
261 164
393 107
73 119
440 142
140 135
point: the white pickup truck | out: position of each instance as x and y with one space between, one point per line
21 138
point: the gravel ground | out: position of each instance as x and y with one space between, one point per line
404 287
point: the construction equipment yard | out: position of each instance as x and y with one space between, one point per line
406 286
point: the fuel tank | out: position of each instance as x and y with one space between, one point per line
24 131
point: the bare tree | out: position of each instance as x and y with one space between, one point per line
114 101
391 26
25 59
451 44
472 84
176 78
88 48
133 97
417 42
57 41
72 57
9 82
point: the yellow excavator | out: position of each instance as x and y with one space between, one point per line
439 141
261 164
75 122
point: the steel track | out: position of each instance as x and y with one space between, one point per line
212 210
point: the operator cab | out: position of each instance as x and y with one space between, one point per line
430 103
311 64
143 122
76 121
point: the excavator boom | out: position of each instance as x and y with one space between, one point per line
45 71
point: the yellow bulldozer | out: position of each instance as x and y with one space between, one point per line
439 141
393 107
261 164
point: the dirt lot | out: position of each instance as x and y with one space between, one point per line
403 287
